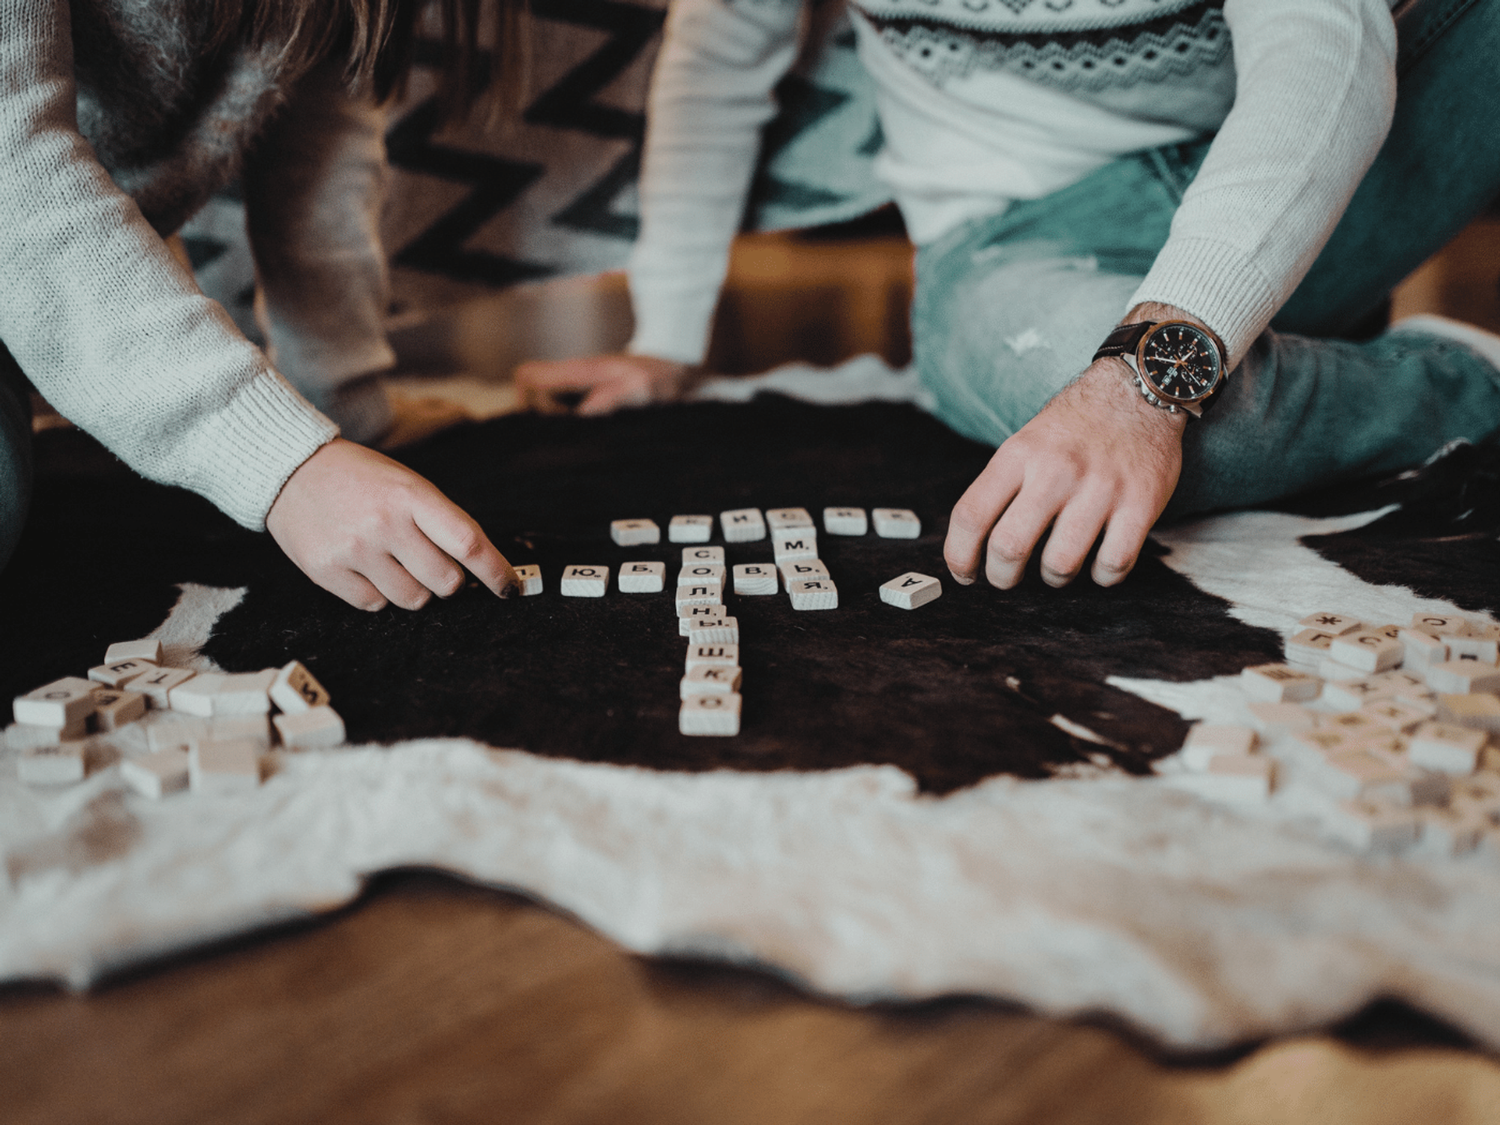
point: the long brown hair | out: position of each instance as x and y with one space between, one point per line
482 54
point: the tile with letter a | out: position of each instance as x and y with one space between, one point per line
815 593
156 774
896 523
692 556
910 590
147 649
531 579
755 579
58 704
690 529
710 679
584 581
296 689
845 521
698 655
710 715
634 533
701 574
786 519
642 577
743 525
787 546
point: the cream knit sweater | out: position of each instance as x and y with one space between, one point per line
115 125
983 102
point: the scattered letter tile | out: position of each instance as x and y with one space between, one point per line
634 533
710 714
755 579
643 577
910 590
584 581
296 689
156 774
690 529
743 525
815 593
845 521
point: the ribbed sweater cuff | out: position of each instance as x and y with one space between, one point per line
244 453
1216 282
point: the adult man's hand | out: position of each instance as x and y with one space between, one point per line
1098 460
374 532
607 382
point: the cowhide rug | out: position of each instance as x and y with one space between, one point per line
959 799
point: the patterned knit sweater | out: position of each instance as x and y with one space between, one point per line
984 102
116 124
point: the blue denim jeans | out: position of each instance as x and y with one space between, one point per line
15 454
1010 308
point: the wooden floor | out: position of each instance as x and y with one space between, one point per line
431 1001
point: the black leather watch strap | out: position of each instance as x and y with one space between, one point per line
1124 339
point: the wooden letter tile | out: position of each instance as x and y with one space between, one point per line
1483 649
634 533
224 767
119 674
1335 623
1308 647
789 545
710 715
157 686
1350 695
815 593
115 709
309 730
1446 748
697 655
1400 715
233 728
643 577
1369 650
701 574
690 529
584 581
785 519
156 774
910 590
703 594
1279 683
531 579
20 737
1480 711
1462 677
295 689
692 556
845 521
896 523
1422 649
1440 624
245 693
743 525
710 679
755 579
58 704
1280 718
802 570
1373 825
166 730
726 630
62 764
690 613
148 650
1204 740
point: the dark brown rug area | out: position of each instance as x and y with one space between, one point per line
962 688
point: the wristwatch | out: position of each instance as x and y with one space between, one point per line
1178 366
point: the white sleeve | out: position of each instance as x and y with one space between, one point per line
108 326
711 94
1316 88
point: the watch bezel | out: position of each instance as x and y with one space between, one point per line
1149 386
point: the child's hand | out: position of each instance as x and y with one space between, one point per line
374 532
607 382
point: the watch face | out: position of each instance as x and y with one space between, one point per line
1179 361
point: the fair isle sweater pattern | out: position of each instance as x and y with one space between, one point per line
1079 46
